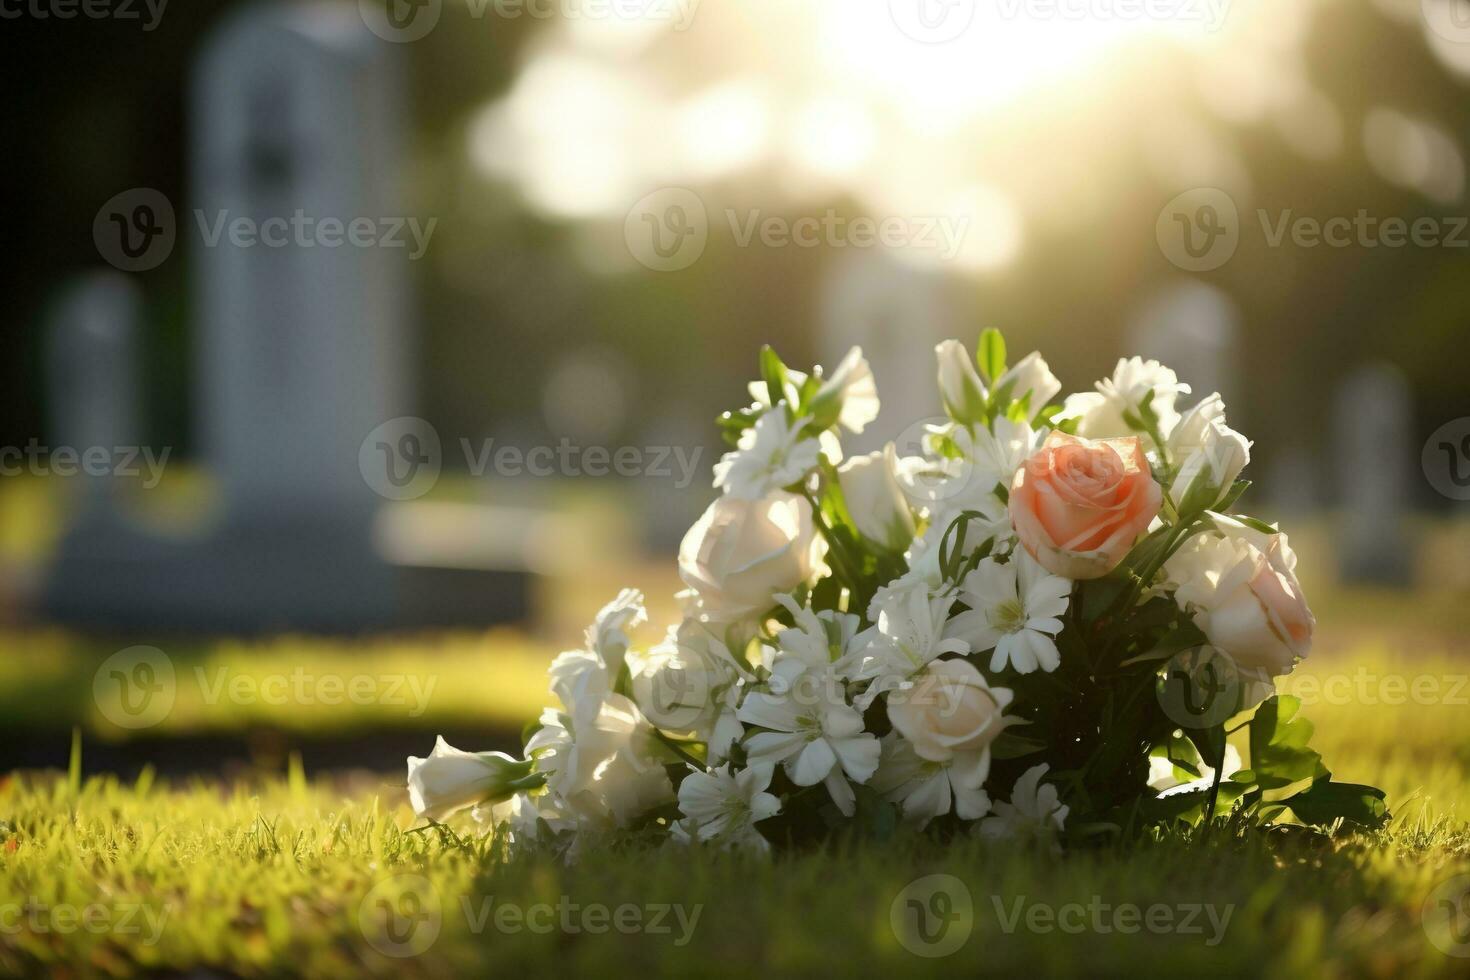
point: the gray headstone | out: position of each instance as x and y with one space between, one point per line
896 313
1293 484
1192 327
302 348
302 355
92 363
1376 457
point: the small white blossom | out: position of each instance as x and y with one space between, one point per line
809 727
771 455
924 789
1034 814
1016 609
910 634
724 807
1100 413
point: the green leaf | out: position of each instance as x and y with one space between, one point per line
1256 524
990 355
1236 489
732 424
1280 755
1325 802
773 372
1010 745
1211 744
1182 753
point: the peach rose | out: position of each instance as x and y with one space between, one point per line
1079 504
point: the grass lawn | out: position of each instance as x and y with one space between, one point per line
278 874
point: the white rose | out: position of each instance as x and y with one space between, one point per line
451 779
960 386
607 766
691 683
951 714
850 395
742 552
1203 443
1241 589
875 500
1031 375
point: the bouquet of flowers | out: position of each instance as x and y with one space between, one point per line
1041 625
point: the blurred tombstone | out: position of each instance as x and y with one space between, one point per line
302 369
1192 327
92 374
303 346
1372 452
1293 484
896 313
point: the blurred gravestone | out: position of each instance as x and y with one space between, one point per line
302 360
1373 454
92 374
1192 327
303 345
896 313
1293 484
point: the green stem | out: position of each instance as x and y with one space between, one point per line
841 561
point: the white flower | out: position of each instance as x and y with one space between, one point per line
960 387
924 789
1016 608
740 553
691 683
1032 376
606 767
1034 813
875 500
523 815
924 575
910 635
810 727
951 714
724 807
1203 444
608 634
581 678
997 452
451 779
1240 587
1101 412
771 455
823 640
852 388
1164 778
